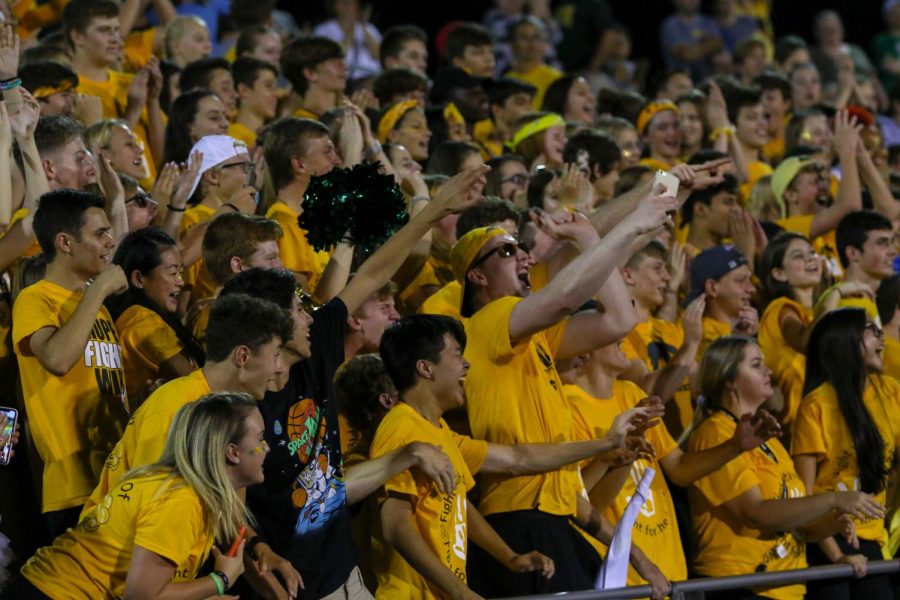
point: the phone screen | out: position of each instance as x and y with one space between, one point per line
6 433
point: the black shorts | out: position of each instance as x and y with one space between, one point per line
577 562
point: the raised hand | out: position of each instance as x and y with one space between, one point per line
165 184
138 91
753 430
846 133
24 118
575 188
462 190
186 180
9 52
565 225
652 214
154 79
692 320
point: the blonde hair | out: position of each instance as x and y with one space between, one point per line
194 452
175 29
100 134
718 368
762 202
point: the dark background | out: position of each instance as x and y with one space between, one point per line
862 18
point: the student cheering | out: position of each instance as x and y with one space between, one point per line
149 537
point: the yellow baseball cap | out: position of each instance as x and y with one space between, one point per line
464 252
785 172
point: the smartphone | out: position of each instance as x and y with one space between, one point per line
12 415
668 180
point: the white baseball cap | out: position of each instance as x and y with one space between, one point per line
216 149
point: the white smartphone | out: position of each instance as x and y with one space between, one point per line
9 427
668 180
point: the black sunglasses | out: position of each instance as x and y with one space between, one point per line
503 251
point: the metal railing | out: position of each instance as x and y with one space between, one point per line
715 584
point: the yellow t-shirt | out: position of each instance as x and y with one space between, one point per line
145 436
241 132
788 366
655 163
540 77
425 277
147 341
446 301
656 529
139 49
820 430
295 251
755 171
726 546
654 342
826 245
75 419
440 518
35 248
92 560
891 357
514 396
485 135
113 94
302 113
197 319
713 329
196 276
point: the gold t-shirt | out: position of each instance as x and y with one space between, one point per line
295 251
440 518
147 341
820 430
75 419
196 276
726 546
788 366
162 515
146 433
446 301
514 396
656 529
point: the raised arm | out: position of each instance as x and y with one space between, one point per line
580 279
463 190
849 197
59 349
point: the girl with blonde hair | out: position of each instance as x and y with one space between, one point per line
150 536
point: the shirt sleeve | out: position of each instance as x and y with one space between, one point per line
473 451
492 324
729 481
31 312
152 338
809 430
387 439
172 525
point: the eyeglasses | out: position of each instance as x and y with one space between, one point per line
874 329
503 251
305 300
519 179
246 166
142 199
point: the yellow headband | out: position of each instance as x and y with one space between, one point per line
392 117
47 91
452 114
651 110
536 126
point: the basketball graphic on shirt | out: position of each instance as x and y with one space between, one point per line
304 427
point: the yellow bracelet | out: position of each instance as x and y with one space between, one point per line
720 131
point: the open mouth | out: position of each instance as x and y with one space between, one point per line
526 281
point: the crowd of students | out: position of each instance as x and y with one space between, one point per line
210 405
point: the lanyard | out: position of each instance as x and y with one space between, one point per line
764 446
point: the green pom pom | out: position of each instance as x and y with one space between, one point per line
360 205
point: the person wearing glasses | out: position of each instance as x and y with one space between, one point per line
845 438
508 179
152 534
140 206
514 393
154 342
222 186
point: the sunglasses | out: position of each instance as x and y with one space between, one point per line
503 251
142 199
306 301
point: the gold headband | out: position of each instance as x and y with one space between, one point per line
536 126
392 116
651 110
452 114
47 90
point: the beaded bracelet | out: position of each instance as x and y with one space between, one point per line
224 578
720 131
220 585
10 85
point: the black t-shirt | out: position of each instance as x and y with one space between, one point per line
301 508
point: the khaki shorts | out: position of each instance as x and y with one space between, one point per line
352 589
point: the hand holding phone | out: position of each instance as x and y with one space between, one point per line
668 180
8 437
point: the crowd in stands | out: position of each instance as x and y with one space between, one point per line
605 266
